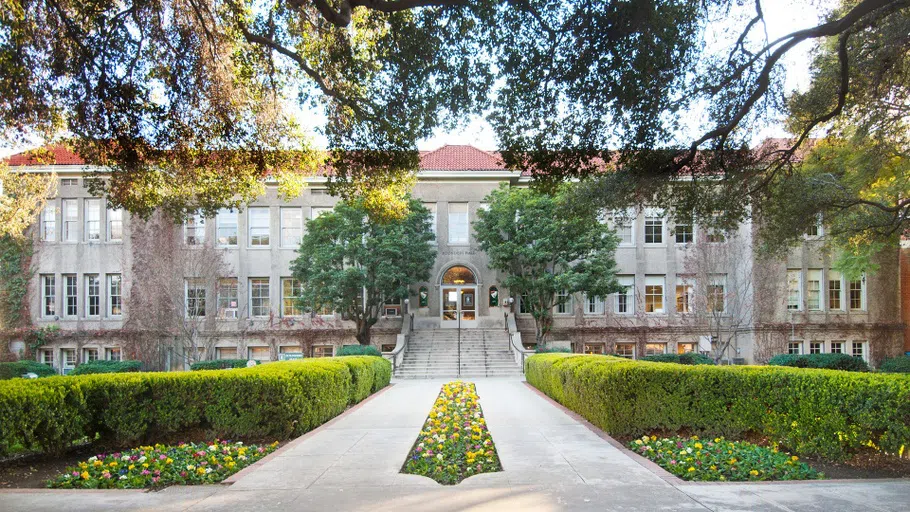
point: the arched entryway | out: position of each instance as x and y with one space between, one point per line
458 296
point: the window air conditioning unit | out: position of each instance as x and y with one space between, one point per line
230 313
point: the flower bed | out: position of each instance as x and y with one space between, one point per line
454 443
721 460
159 466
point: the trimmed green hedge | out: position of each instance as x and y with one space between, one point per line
687 358
219 364
553 350
359 350
274 401
844 362
17 369
810 412
896 365
107 367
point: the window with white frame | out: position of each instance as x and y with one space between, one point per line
594 305
260 303
795 347
114 225
459 227
113 354
835 290
68 357
259 226
625 300
49 223
654 294
114 295
626 350
291 227
794 291
92 295
48 296
623 224
653 349
226 353
837 347
685 233
291 290
524 306
69 182
323 351
858 294
564 303
654 227
228 298
92 220
259 353
226 227
195 297
814 290
194 229
717 293
46 356
594 348
71 295
89 355
432 209
859 349
816 230
685 294
816 347
70 220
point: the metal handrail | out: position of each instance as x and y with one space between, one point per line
406 328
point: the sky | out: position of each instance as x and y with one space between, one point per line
782 17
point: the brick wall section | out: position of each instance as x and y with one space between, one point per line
905 295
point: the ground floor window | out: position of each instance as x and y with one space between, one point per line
68 355
89 355
685 348
113 354
259 353
288 352
653 349
795 347
226 353
837 347
858 349
816 347
323 351
46 356
626 350
594 348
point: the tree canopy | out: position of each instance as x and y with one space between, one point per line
351 263
546 253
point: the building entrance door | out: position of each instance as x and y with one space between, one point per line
458 298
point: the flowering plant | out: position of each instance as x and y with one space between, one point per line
454 443
160 466
721 460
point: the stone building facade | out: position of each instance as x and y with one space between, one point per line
103 277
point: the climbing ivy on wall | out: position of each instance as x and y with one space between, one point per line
15 274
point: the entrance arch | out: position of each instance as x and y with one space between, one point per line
458 297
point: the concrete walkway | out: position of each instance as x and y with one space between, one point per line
551 462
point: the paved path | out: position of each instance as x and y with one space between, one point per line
551 462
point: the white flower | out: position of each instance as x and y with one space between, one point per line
688 450
212 448
92 458
125 458
208 470
123 477
239 443
242 457
190 467
439 456
142 459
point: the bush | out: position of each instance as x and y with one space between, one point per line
896 365
844 362
106 367
275 401
687 358
17 369
811 412
553 350
359 350
219 364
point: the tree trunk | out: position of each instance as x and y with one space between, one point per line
543 322
363 331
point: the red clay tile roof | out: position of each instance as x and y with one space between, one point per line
460 158
56 155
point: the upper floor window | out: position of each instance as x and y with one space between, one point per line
291 227
685 294
194 229
432 208
858 294
625 300
685 234
259 226
717 293
260 304
92 295
622 224
70 220
114 295
48 296
594 305
49 223
92 220
226 226
835 290
291 291
316 211
814 290
115 225
794 291
195 298
815 230
69 182
564 303
654 294
458 223
654 227
227 298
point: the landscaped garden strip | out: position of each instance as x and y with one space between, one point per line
454 443
825 413
721 460
160 466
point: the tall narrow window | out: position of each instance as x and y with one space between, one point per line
625 300
259 227
814 290
259 297
858 349
48 296
432 208
114 225
858 294
524 306
794 291
49 223
458 223
717 293
621 222
654 294
195 298
92 295
835 290
194 229
92 220
654 227
291 227
564 303
227 298
291 290
70 220
114 295
71 293
226 227
113 354
684 233
685 294
594 305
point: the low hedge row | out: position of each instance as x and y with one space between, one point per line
896 365
687 358
359 350
273 401
219 364
844 362
16 369
810 412
107 367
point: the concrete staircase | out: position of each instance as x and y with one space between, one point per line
433 353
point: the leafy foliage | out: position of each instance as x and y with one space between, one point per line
351 262
687 358
15 274
16 369
359 350
106 367
809 412
219 364
22 199
827 361
896 365
552 350
543 249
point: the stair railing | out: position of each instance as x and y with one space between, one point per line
459 340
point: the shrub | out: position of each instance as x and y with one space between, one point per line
896 365
106 367
359 350
219 364
844 362
811 412
17 369
276 400
553 350
687 358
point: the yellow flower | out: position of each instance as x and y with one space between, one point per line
130 467
169 461
691 469
716 439
753 472
698 446
713 467
794 458
97 463
85 475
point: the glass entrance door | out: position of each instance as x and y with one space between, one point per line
459 302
